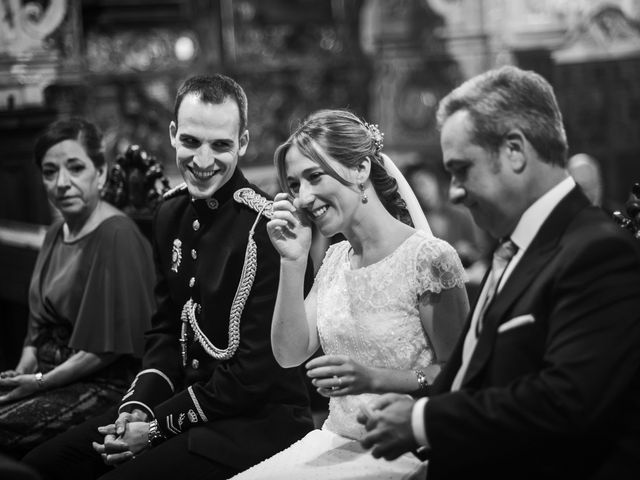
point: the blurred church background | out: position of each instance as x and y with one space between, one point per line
119 62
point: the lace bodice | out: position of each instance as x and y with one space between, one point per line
371 314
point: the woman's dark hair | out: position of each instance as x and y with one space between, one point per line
78 129
342 136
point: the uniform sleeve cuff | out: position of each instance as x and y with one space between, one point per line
417 422
130 406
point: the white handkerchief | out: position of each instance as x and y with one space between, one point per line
516 322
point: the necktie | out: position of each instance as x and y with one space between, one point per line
501 258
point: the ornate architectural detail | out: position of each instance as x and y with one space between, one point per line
135 50
606 34
30 56
575 11
25 26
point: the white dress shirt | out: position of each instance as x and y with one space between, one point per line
526 229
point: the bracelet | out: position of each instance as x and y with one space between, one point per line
39 380
422 380
156 437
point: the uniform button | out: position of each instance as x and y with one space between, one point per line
196 225
195 363
212 203
194 254
192 282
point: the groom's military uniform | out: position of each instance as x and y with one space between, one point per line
208 369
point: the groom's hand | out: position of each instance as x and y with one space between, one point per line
389 429
113 450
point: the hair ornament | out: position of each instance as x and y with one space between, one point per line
376 134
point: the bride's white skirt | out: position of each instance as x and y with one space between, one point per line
323 454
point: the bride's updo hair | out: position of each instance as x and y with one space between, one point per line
342 136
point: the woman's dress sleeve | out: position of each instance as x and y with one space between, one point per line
117 301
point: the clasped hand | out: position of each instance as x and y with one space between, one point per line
338 375
388 424
124 439
24 385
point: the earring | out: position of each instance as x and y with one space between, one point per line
363 195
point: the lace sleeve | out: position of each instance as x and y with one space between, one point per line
438 267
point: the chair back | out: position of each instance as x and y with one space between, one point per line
135 185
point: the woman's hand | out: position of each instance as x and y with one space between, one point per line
289 229
28 363
23 386
338 375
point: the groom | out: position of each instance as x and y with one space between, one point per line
545 381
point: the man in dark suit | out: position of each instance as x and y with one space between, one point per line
545 381
211 399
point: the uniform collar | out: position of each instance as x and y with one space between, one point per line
223 195
236 181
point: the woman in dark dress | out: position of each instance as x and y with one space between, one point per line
90 299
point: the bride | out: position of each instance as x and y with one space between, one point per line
386 306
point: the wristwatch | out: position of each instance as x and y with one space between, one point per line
39 379
156 437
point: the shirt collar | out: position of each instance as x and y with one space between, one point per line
534 216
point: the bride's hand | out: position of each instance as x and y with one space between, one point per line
289 229
338 375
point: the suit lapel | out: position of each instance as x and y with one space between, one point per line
542 249
444 380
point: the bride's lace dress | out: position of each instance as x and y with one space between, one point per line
371 315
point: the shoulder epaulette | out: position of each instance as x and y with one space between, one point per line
254 200
175 191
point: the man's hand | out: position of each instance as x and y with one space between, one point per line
389 426
113 451
125 418
123 439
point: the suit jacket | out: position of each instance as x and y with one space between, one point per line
237 411
553 386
